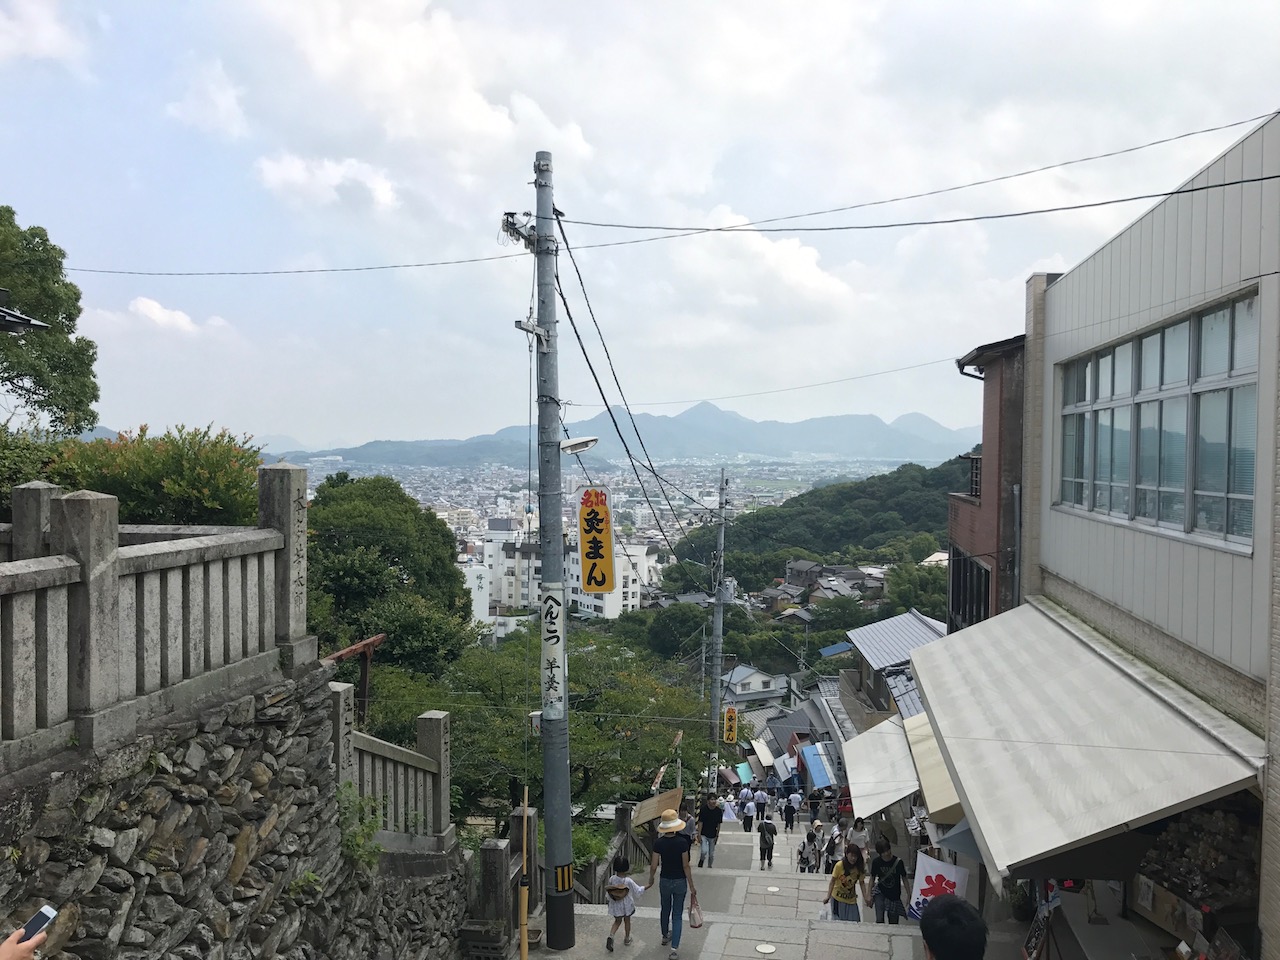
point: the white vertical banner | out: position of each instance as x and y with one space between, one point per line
554 666
933 879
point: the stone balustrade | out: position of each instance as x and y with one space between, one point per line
103 625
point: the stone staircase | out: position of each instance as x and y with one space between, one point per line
747 908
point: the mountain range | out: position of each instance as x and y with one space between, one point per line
701 432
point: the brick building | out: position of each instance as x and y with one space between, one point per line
983 519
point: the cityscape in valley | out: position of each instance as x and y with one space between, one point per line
787 504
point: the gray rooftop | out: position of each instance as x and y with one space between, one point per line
888 643
902 686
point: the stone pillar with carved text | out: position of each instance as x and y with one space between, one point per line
282 506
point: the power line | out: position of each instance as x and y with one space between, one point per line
298 271
944 190
616 382
617 429
940 221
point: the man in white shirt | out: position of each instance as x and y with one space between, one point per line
762 801
796 800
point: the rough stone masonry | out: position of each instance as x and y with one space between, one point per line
214 836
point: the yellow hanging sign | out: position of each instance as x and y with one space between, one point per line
730 725
595 540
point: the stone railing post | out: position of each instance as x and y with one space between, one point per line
342 699
433 743
282 506
85 526
518 818
622 818
496 901
31 508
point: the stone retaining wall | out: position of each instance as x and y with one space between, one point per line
215 836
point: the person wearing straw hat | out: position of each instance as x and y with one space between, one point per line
675 882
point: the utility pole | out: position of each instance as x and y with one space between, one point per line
717 629
553 667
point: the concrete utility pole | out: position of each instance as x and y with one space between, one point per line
717 629
553 667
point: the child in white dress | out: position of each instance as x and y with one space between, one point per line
622 892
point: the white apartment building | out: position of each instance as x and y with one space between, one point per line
631 564
1134 695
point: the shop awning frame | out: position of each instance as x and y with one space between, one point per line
1056 738
878 768
940 796
815 766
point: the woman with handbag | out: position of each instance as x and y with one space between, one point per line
671 855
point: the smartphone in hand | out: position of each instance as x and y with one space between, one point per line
42 919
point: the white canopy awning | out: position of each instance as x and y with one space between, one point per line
1055 738
763 752
879 768
940 797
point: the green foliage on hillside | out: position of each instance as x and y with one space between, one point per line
626 709
378 563
876 518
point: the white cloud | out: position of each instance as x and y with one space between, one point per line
211 103
34 30
148 320
321 181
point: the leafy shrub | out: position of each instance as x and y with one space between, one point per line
23 458
186 476
359 822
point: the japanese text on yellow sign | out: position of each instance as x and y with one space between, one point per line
730 725
595 540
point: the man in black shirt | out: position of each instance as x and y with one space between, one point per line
709 819
887 876
815 802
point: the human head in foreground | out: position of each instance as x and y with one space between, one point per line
952 929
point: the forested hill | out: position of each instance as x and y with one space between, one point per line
846 519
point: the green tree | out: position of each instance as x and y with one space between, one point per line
673 626
191 476
48 373
23 458
841 613
924 588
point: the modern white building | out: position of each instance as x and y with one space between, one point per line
1128 706
635 566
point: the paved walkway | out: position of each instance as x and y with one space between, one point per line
747 908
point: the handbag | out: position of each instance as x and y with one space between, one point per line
695 914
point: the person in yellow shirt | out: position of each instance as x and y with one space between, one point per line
849 874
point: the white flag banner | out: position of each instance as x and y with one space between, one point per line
933 879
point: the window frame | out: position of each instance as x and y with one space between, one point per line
1098 402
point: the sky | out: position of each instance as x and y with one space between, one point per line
251 135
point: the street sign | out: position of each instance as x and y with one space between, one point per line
595 540
730 725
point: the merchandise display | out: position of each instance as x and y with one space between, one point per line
1208 857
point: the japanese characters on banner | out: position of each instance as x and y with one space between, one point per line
933 879
595 539
555 668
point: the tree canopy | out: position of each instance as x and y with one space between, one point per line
379 563
47 373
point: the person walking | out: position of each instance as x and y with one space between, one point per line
849 874
622 892
710 818
860 836
887 876
815 802
952 929
745 794
789 817
762 802
831 851
807 854
671 857
748 815
797 799
768 834
820 837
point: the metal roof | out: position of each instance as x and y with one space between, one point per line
844 646
888 643
1005 700
905 693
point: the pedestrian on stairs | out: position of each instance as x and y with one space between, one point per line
952 929
789 816
748 816
622 892
710 817
807 854
671 856
768 834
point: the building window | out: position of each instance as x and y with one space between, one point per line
744 686
1163 429
766 684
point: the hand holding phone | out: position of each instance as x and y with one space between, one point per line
23 942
